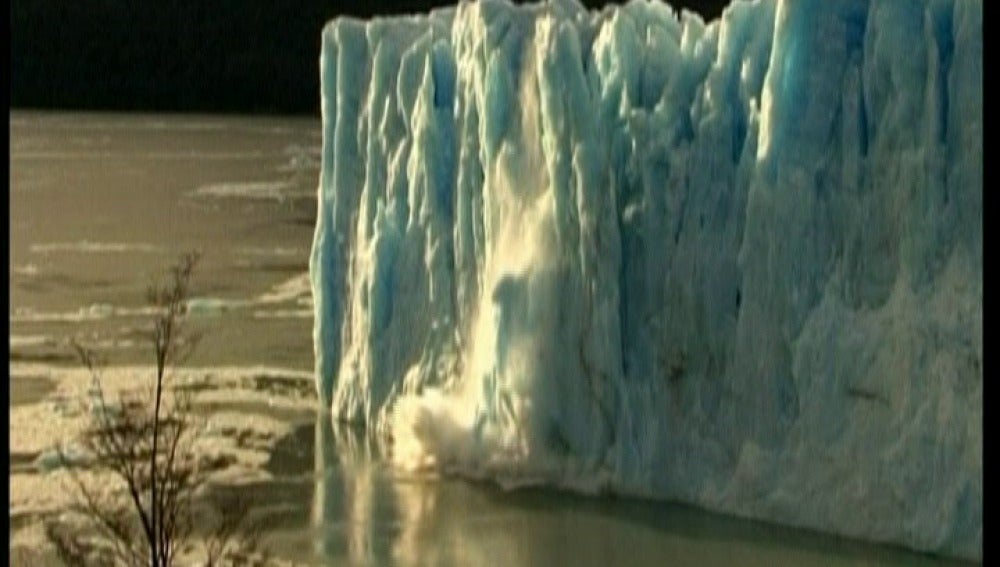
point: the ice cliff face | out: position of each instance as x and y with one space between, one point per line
736 264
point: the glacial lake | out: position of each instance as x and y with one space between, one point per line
102 203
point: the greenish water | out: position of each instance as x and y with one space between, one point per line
335 501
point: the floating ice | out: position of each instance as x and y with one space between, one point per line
94 312
276 251
736 264
295 289
289 290
25 270
21 341
71 455
250 190
85 246
210 306
283 314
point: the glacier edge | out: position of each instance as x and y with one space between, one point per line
736 264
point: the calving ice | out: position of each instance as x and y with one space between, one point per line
735 264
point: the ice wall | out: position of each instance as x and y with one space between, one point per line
735 264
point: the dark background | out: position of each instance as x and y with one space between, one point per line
240 56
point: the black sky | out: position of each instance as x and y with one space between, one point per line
238 56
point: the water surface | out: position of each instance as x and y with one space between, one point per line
101 204
340 503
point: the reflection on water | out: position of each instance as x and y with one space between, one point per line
363 512
352 506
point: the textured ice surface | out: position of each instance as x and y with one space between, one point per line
736 264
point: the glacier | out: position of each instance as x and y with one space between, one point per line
736 264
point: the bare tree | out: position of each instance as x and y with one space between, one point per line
145 442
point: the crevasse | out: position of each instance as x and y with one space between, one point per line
735 264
